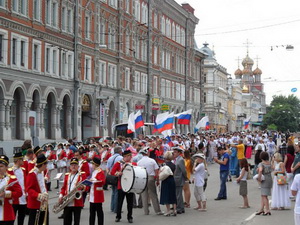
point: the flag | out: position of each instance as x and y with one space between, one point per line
246 122
184 117
203 123
131 124
164 121
138 120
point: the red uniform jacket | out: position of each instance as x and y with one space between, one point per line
34 188
6 210
22 181
62 155
96 191
84 167
28 165
70 154
118 167
68 184
52 156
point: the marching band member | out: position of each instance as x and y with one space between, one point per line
10 189
71 181
19 204
117 171
92 153
96 193
51 156
37 192
61 162
104 156
70 154
29 160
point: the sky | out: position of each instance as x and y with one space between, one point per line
267 24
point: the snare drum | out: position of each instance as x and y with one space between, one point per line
134 179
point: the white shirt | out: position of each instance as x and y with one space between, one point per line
296 187
41 181
149 164
20 177
72 182
199 175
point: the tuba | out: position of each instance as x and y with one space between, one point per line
44 208
74 194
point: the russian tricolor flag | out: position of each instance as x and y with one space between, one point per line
164 121
247 122
131 124
184 117
203 123
138 120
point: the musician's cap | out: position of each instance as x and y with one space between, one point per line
106 145
18 155
41 159
177 149
199 155
126 152
96 161
60 144
74 161
51 146
4 160
37 149
144 151
68 144
92 146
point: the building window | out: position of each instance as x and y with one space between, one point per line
87 27
88 68
3 46
102 72
64 64
168 89
19 51
163 88
144 83
182 92
155 55
48 60
63 18
22 53
113 3
127 79
144 50
20 6
163 25
137 11
111 37
54 14
155 85
36 9
102 32
14 51
2 3
155 20
178 95
55 62
70 20
173 90
137 81
144 13
204 78
127 6
48 12
70 65
204 97
36 55
163 58
112 75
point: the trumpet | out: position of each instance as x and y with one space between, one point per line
43 208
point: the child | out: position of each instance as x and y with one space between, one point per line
242 180
199 176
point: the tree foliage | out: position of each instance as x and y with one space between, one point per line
283 113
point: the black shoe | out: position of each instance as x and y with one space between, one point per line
56 187
224 198
130 221
117 220
217 199
61 216
180 212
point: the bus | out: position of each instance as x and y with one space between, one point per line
121 130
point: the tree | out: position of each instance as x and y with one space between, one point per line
284 113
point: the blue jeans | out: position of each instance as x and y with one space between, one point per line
223 179
114 199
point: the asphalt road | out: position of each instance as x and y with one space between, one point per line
224 212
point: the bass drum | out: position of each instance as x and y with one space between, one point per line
134 179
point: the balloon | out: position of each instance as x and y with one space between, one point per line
294 90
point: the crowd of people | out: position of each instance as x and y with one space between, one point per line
176 165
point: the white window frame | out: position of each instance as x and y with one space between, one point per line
87 26
178 90
163 87
64 12
88 68
168 89
70 59
137 11
54 14
69 22
3 4
55 61
113 3
49 57
20 38
112 75
102 72
48 13
155 83
127 6
127 78
155 52
36 10
64 64
4 48
137 81
163 25
173 90
38 55
182 92
144 83
102 32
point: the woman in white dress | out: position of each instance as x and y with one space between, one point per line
280 193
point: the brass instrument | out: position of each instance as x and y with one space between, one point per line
74 194
43 208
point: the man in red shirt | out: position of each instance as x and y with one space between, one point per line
117 171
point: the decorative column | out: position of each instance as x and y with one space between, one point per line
40 121
2 119
69 122
7 125
25 121
53 121
58 108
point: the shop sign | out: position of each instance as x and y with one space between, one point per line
164 107
102 115
86 104
138 107
155 100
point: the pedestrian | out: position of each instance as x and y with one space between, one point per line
295 169
223 161
288 161
189 170
180 176
296 192
280 193
199 176
265 168
242 180
168 187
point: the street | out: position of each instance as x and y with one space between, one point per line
218 212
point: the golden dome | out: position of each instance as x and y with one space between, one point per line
246 70
245 89
247 61
257 71
238 72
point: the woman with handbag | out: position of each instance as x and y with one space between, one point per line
280 192
168 187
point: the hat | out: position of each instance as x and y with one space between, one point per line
18 155
96 161
4 160
50 145
68 144
74 161
106 145
199 155
177 149
41 159
37 149
144 150
92 146
126 152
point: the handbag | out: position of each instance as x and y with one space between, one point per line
281 179
111 180
165 172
